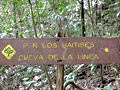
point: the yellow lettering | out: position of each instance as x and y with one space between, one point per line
88 45
40 57
79 56
53 56
70 57
49 45
43 45
89 56
67 57
35 45
30 57
20 57
92 44
96 56
85 56
26 57
63 57
81 44
70 44
76 44
63 45
54 45
25 45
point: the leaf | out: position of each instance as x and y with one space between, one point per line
80 66
108 87
2 69
118 14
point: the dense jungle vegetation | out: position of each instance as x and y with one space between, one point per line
46 18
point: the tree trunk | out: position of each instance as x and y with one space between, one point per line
82 18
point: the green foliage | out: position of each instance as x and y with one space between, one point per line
108 87
50 16
2 69
92 67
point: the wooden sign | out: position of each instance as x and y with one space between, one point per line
59 51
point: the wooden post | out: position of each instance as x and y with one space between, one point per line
60 70
60 77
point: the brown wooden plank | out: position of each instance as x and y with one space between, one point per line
59 51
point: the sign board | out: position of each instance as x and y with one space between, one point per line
59 51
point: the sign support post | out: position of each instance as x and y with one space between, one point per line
60 71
